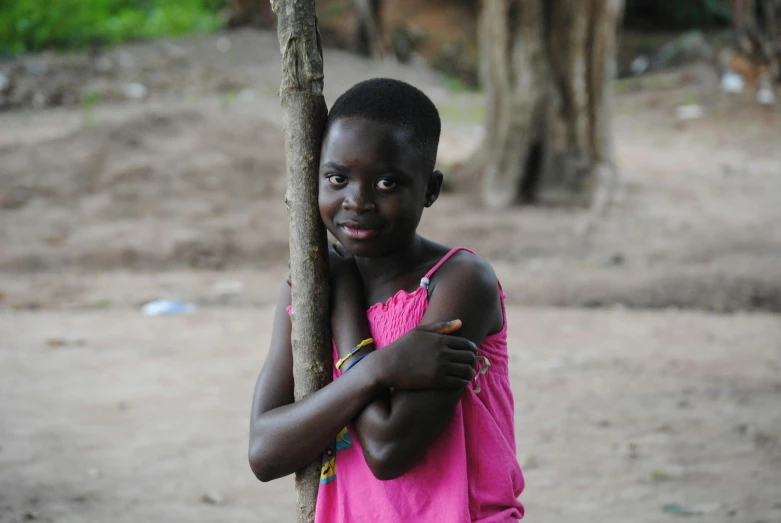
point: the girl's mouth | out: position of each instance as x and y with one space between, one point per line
355 233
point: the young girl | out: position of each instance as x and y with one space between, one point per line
421 430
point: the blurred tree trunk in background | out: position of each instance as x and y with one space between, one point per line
758 25
367 34
547 69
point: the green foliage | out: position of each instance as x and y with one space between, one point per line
34 25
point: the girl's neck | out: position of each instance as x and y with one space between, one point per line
377 271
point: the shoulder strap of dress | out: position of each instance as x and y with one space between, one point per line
427 278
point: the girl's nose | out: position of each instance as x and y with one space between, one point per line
358 201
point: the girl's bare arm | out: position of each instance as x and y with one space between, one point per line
286 435
396 429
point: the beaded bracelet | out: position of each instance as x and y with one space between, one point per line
355 362
358 347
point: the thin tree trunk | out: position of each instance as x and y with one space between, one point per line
305 116
547 71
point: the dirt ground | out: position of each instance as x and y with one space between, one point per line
645 354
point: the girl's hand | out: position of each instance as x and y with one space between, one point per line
429 358
342 265
346 282
337 249
349 324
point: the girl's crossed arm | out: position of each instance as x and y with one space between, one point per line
286 435
396 429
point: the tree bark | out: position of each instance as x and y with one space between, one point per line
515 75
547 68
305 116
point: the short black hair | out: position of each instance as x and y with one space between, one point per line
397 103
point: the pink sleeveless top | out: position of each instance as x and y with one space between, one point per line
469 473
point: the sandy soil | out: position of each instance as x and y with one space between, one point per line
645 355
618 413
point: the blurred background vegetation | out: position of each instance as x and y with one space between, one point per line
37 25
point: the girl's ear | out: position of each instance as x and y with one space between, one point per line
433 188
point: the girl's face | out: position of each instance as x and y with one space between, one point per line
373 186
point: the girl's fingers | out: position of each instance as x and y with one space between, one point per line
452 382
340 250
441 327
458 343
461 370
462 356
449 327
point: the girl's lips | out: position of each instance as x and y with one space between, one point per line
359 234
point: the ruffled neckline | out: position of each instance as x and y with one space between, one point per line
392 300
402 294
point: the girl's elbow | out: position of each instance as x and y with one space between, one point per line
384 461
386 472
260 464
263 473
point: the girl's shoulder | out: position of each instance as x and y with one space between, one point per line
463 264
464 269
464 281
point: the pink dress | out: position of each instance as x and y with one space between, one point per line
470 472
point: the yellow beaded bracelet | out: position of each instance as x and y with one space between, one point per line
358 347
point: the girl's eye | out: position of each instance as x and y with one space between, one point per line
385 184
336 179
